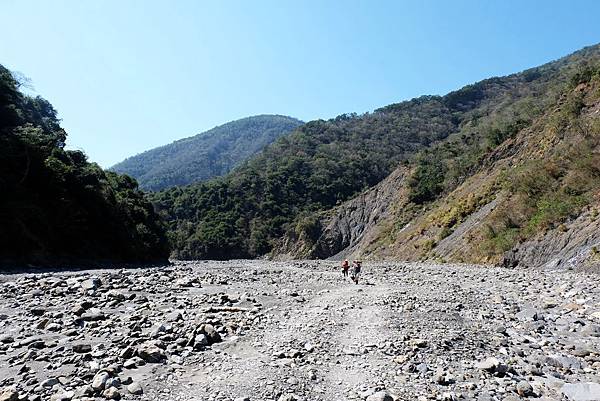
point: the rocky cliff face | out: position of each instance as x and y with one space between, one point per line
345 230
575 244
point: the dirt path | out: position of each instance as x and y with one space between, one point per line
338 331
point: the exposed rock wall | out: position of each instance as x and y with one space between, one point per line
575 244
348 226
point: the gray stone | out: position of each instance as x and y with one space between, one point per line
112 394
380 396
91 284
529 315
82 348
99 380
6 339
9 395
151 353
63 396
524 389
211 333
50 382
135 388
582 391
490 364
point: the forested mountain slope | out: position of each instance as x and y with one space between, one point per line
209 154
523 194
56 207
287 192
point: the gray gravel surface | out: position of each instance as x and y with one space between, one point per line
256 330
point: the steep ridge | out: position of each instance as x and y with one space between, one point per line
532 200
284 199
346 229
209 154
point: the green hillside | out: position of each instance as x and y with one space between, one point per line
57 207
324 163
210 154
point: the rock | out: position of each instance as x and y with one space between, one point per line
91 284
130 364
549 304
490 364
419 343
6 339
82 348
159 329
449 396
127 353
380 396
151 353
173 316
201 340
565 362
422 368
439 377
50 382
63 396
135 388
9 395
99 381
113 382
37 311
524 389
92 316
581 351
84 391
210 332
112 394
582 391
529 314
117 295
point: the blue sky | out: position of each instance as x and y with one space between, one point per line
126 76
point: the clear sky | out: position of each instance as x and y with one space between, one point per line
127 76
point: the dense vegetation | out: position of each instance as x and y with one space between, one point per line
55 205
209 154
314 168
442 139
525 170
545 192
324 163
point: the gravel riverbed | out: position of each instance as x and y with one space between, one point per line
284 331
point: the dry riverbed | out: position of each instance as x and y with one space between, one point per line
284 331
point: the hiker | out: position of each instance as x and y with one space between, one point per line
345 267
356 265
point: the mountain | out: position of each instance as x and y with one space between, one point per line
209 154
531 200
396 182
56 207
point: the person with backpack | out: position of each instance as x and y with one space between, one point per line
356 266
345 267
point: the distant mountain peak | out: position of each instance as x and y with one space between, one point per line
206 155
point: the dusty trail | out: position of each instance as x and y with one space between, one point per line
338 329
